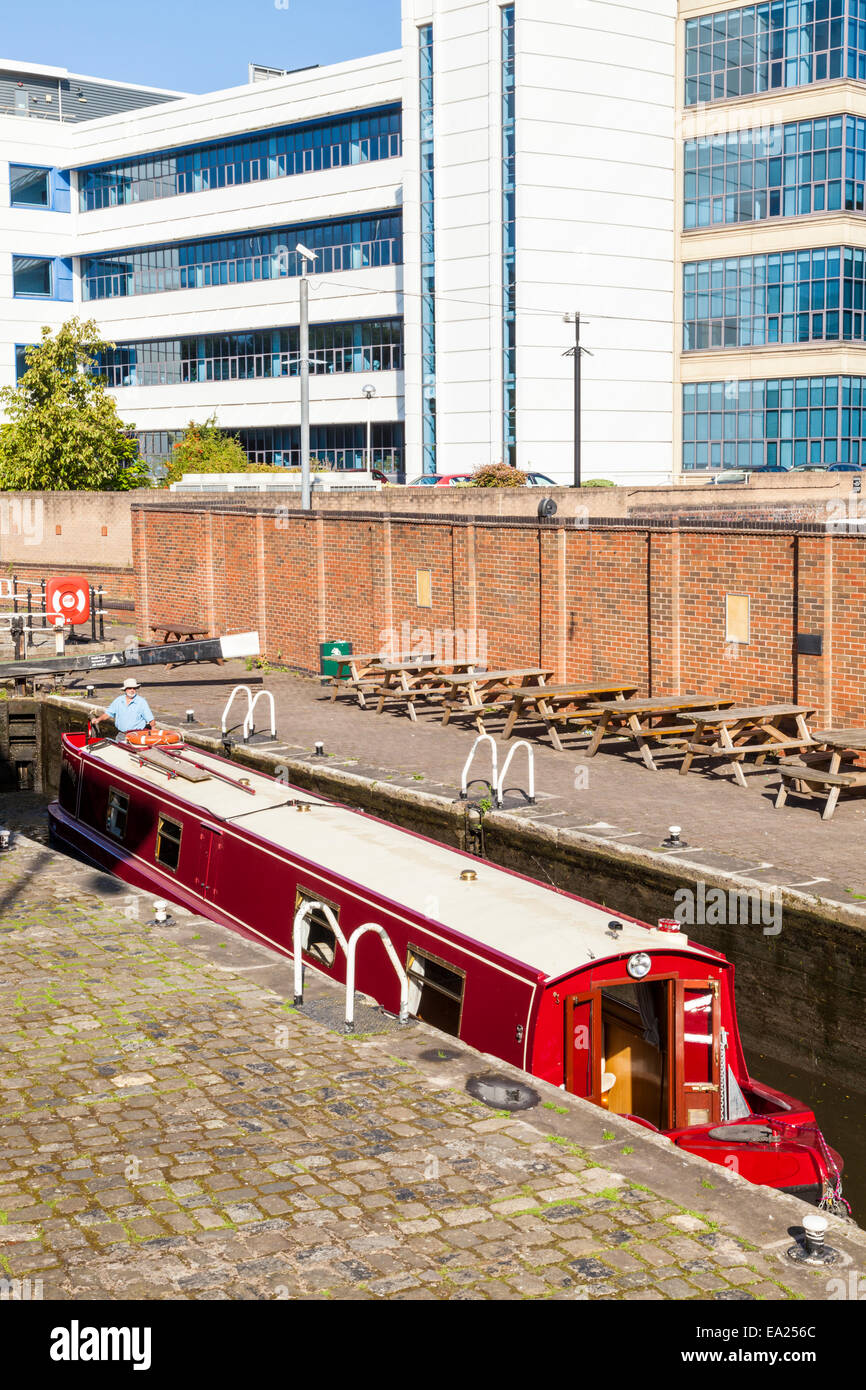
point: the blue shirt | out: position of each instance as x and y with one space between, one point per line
134 714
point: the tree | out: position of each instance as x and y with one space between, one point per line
208 449
63 431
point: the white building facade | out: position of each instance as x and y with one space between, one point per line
510 166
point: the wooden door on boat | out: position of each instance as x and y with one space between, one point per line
697 1031
210 849
583 1045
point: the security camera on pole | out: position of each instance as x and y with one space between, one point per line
309 259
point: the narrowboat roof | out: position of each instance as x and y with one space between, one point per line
527 921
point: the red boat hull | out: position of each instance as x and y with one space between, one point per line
512 1011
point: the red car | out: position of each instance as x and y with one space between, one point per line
450 479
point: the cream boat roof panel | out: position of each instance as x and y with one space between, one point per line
527 921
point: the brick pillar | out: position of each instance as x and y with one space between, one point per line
259 570
208 575
662 579
813 614
314 535
551 579
385 597
139 571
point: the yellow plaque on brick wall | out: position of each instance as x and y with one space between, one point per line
737 618
424 588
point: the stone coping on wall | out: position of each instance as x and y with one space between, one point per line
655 522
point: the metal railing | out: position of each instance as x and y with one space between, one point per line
281 263
249 721
494 758
28 613
230 701
385 357
350 951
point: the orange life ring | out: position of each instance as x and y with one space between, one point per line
149 738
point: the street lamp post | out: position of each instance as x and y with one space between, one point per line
309 258
369 393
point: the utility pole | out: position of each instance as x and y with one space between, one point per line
304 345
577 353
577 384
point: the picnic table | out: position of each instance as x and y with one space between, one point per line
644 719
474 691
729 734
364 670
836 748
562 704
405 682
181 632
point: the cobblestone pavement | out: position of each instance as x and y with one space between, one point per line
170 1128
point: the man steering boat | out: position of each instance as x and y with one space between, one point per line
130 711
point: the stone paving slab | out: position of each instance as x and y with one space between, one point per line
171 1127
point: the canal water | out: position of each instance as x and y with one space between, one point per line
841 1115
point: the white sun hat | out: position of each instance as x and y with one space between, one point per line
130 683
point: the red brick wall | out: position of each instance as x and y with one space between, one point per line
635 600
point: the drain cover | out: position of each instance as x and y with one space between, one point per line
502 1092
744 1134
439 1054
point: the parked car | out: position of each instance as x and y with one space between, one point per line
731 475
452 479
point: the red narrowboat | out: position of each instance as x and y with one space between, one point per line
636 1018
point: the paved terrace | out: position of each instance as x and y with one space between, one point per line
171 1129
611 795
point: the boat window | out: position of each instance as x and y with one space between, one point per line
318 940
168 834
435 990
117 811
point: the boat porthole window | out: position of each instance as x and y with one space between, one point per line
116 813
318 941
168 833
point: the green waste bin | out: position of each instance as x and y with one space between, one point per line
327 652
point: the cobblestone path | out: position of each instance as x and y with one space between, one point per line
171 1129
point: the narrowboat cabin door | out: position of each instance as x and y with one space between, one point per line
649 1049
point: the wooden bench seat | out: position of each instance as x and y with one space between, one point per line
831 783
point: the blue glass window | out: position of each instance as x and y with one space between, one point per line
374 240
784 297
335 446
509 254
778 171
299 149
33 276
785 43
782 422
364 346
29 187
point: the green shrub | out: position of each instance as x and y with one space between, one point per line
497 475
